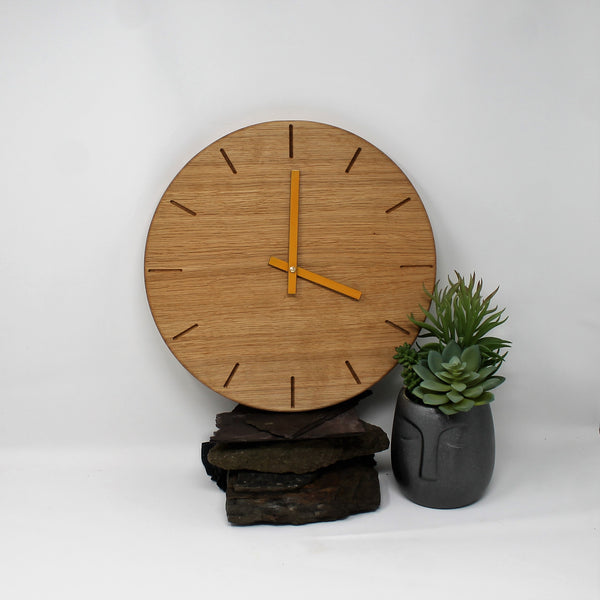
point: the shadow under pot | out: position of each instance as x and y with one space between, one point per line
442 461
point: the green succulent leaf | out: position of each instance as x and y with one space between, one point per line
473 392
418 392
453 364
464 406
492 382
471 357
486 372
473 378
434 361
485 398
489 324
459 386
445 376
452 349
431 326
454 396
435 386
423 372
434 399
448 409
450 376
493 343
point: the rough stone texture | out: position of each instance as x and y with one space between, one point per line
295 468
219 476
251 425
301 456
240 429
255 481
334 493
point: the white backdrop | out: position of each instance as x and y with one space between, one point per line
493 111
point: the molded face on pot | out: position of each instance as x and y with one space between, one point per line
442 461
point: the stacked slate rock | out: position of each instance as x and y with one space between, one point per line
295 468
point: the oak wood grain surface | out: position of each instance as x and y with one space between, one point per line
226 314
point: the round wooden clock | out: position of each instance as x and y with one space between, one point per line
281 263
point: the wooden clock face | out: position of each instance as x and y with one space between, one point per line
282 261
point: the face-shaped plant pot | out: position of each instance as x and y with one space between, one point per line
442 461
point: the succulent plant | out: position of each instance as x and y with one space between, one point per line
459 312
455 380
407 356
439 372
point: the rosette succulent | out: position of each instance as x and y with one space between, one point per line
454 380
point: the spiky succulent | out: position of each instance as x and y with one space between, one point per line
459 312
454 380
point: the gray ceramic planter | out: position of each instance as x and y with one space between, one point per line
442 461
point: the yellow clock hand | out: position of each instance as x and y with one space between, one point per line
318 279
293 235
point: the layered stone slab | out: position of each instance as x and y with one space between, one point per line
295 468
330 494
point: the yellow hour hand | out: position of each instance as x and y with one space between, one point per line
315 278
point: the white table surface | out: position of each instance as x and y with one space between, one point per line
146 522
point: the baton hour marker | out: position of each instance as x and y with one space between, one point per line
185 331
231 374
189 211
353 160
228 160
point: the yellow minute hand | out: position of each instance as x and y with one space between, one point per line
318 279
293 233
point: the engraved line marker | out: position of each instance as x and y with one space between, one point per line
165 270
227 160
389 210
230 377
353 160
189 211
397 327
291 136
292 392
416 266
175 337
352 372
